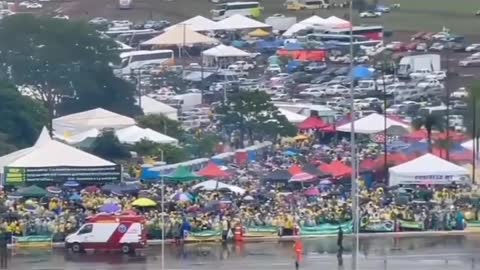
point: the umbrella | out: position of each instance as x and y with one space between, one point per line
144 202
71 184
312 192
110 208
54 190
182 197
302 177
325 182
91 189
75 197
32 191
248 198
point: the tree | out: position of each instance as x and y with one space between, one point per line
22 117
202 145
254 114
59 61
162 124
171 153
430 122
5 146
109 147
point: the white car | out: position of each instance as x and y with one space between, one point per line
337 89
245 65
460 93
473 47
387 79
420 74
422 46
122 23
370 14
313 92
34 6
98 20
279 77
24 3
432 83
61 17
437 46
441 35
470 61
437 75
274 68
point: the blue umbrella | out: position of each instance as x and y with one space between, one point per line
110 208
75 197
71 184
361 73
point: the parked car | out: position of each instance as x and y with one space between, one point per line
245 65
313 92
420 74
431 83
370 14
98 21
316 67
475 47
460 93
437 75
336 89
321 79
34 6
437 46
387 79
470 61
274 68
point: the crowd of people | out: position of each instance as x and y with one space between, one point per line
264 203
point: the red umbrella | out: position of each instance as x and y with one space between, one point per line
312 192
312 123
212 171
337 169
295 169
302 177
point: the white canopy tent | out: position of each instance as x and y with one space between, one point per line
222 53
313 21
180 35
335 22
134 134
469 144
152 106
240 22
370 124
428 169
199 24
211 185
97 118
292 117
50 153
80 137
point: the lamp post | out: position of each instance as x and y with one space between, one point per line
162 205
354 189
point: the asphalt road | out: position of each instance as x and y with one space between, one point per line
455 252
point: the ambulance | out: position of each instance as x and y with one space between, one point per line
109 232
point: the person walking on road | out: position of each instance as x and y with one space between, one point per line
3 250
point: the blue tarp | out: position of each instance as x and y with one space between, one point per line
362 73
252 156
293 46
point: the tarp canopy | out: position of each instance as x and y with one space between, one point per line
211 185
292 117
152 106
312 122
180 35
182 174
336 169
32 191
199 23
295 169
416 135
134 134
259 33
314 20
372 123
50 153
212 171
278 176
225 51
311 169
237 22
97 118
428 169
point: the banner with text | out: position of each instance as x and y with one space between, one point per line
26 175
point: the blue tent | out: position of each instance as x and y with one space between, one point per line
293 46
361 73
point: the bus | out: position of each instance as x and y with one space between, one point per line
370 32
225 10
115 33
316 4
130 61
338 39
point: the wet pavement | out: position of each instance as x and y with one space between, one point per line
449 252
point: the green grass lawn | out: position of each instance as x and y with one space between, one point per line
413 15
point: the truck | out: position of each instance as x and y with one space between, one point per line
124 4
186 101
109 232
413 63
280 22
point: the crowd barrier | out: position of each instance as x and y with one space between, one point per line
32 241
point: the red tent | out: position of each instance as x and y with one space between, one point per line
212 171
312 122
392 159
368 165
336 169
454 136
295 169
463 157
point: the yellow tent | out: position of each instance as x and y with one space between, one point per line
144 202
259 33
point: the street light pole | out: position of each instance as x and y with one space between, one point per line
353 150
163 212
